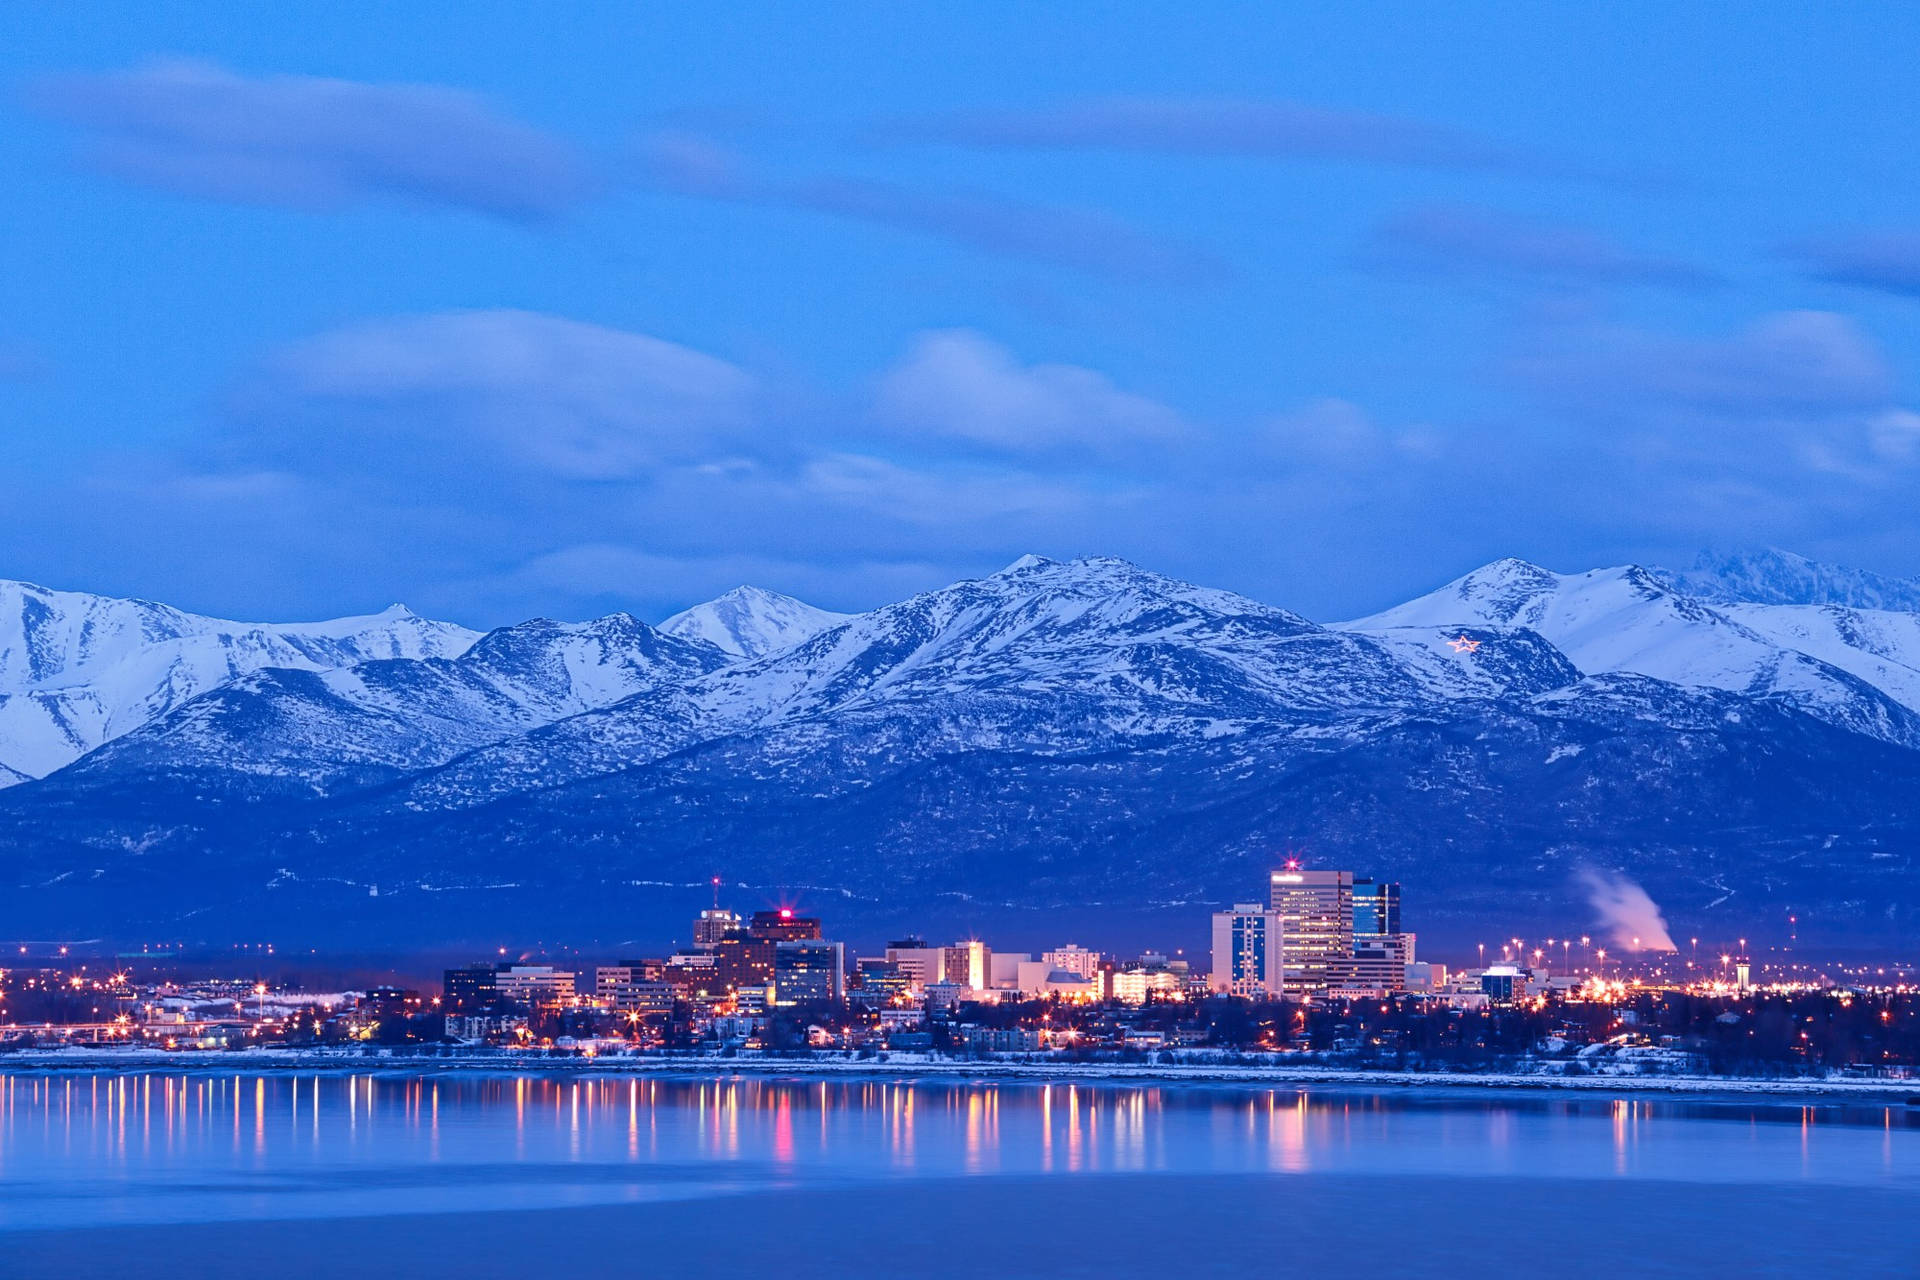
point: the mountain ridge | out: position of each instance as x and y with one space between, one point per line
1058 732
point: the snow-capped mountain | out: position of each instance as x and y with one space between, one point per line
326 730
78 670
1054 737
1855 668
751 622
1044 656
1774 576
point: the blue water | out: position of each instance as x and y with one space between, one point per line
94 1151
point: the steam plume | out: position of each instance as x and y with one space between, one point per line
1625 911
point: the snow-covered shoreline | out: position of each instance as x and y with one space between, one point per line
897 1065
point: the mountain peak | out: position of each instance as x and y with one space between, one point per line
749 622
1774 576
1024 564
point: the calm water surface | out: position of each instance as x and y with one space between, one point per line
100 1150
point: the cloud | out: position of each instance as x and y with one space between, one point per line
1221 127
1791 363
1467 240
313 143
1885 260
1337 433
508 389
929 497
1080 239
959 386
610 576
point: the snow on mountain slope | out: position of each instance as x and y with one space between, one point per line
1044 656
750 622
1849 667
1774 576
364 723
77 670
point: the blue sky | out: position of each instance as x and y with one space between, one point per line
311 308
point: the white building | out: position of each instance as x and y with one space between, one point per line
1248 951
1073 959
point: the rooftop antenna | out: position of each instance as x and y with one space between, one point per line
716 893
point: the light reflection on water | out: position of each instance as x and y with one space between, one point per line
99 1149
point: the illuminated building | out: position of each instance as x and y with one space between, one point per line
695 972
742 961
712 925
1376 908
1248 954
634 988
969 964
470 989
1316 924
808 970
1135 986
1504 984
533 984
923 965
1072 959
881 982
783 926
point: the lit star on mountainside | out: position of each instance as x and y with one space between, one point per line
1462 644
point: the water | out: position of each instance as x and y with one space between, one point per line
116 1162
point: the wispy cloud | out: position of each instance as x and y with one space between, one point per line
1474 241
548 396
314 143
1885 260
1222 127
960 387
1793 363
1084 240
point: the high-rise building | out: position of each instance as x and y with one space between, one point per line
712 925
1249 951
808 971
783 926
969 964
1316 926
881 982
923 965
741 961
1381 951
470 990
1376 907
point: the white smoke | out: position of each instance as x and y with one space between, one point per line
1625 911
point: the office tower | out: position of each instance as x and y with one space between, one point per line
808 971
881 982
533 984
1376 907
1316 927
470 990
969 964
1381 951
923 965
1248 951
783 926
742 962
712 925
